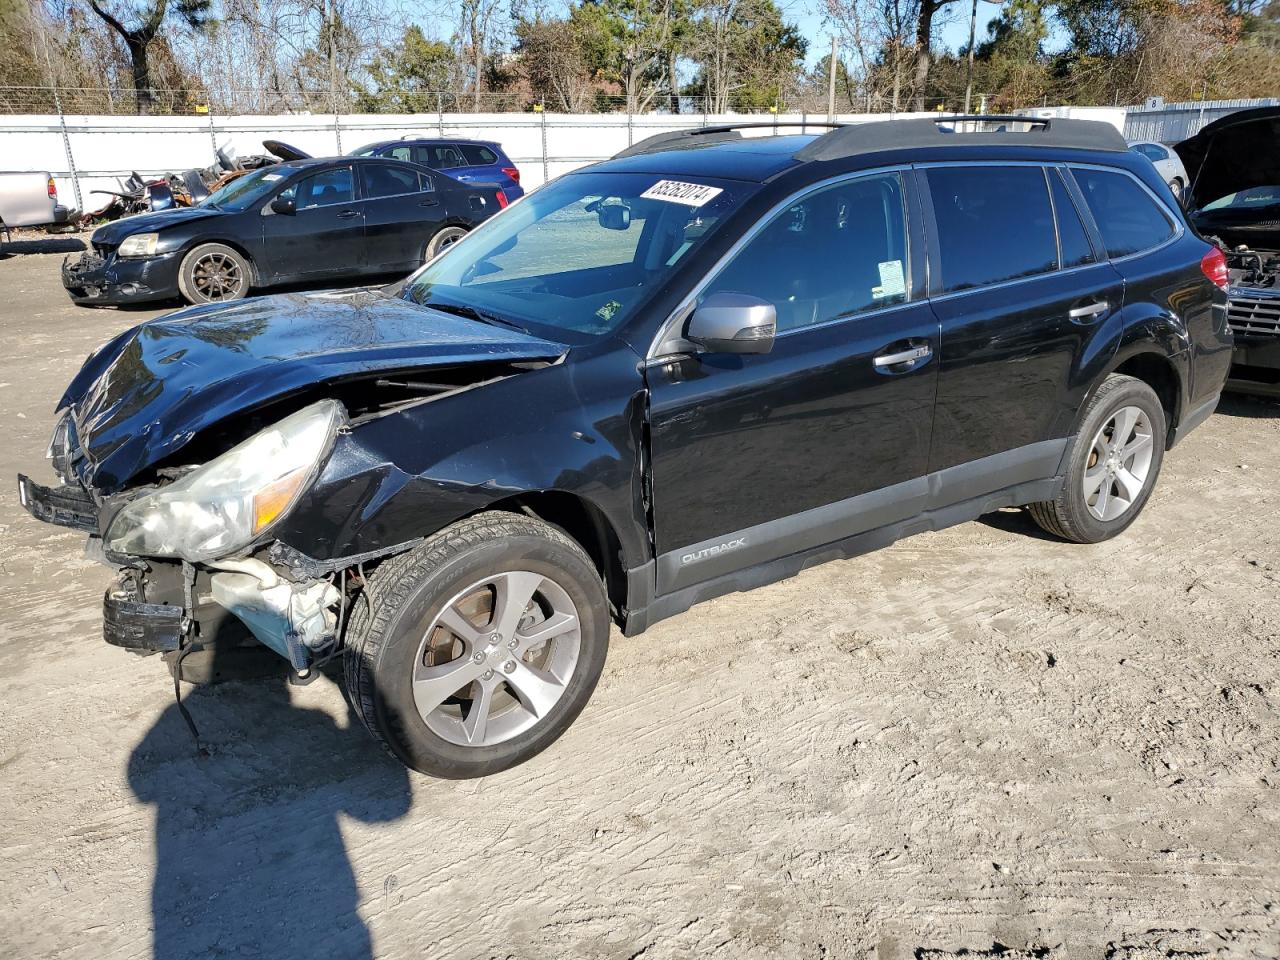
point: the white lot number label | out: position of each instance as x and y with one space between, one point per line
690 194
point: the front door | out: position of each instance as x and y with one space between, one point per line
325 233
759 456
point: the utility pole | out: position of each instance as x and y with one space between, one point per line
831 84
968 74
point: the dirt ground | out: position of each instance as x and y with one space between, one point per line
976 743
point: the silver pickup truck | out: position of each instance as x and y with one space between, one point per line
30 200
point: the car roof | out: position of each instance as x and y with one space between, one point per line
754 158
422 140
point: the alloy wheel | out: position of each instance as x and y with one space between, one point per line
217 276
497 659
1119 463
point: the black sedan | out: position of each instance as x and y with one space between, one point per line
298 221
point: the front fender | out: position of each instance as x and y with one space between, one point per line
572 428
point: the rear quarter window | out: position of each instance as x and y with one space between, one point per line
1129 219
477 155
995 223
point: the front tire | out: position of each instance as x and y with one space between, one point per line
476 650
214 273
1113 462
1175 185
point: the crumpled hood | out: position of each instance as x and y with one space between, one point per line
1237 152
146 393
117 230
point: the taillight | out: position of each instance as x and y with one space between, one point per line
1214 266
512 172
502 199
53 190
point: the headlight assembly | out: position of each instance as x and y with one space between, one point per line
221 507
139 245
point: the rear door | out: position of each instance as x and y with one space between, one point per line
439 156
402 210
1027 305
755 457
324 236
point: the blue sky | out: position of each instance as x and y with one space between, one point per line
952 34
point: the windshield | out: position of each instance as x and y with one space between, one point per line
1247 199
576 258
243 192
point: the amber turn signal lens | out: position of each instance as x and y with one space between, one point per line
274 498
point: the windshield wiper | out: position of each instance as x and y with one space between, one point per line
471 313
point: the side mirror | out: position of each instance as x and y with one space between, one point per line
733 323
614 216
285 205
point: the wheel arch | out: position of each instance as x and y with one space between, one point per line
1159 371
584 523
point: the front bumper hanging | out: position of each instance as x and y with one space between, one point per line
66 506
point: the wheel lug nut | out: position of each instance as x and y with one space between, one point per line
509 666
478 657
487 675
512 644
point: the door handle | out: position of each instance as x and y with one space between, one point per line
428 203
1089 311
903 356
348 214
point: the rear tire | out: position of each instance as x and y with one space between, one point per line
439 679
442 239
1109 477
214 273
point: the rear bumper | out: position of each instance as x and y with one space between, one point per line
96 280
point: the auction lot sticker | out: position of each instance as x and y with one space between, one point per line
690 194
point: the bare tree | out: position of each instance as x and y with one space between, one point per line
139 38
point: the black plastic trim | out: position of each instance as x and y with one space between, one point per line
65 506
902 503
1193 419
150 627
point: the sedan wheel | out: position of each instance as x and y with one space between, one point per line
214 273
444 238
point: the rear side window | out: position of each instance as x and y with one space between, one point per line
1076 249
439 157
1128 217
477 155
385 180
994 224
397 153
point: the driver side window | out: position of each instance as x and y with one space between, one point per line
835 253
322 190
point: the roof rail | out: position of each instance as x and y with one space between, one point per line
704 136
850 140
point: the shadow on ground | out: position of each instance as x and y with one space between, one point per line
250 859
43 245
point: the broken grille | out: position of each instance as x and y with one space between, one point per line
1253 317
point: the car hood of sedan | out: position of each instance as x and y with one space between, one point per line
113 233
1237 152
147 393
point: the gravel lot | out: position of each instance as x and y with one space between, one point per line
976 743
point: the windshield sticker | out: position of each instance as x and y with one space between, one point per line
893 282
690 194
606 312
272 176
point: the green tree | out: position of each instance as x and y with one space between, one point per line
746 54
407 77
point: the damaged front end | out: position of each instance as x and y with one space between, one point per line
186 446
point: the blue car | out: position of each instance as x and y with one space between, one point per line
465 160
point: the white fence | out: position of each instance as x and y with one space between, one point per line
86 153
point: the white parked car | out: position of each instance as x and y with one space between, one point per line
1166 163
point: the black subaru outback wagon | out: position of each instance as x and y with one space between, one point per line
696 368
